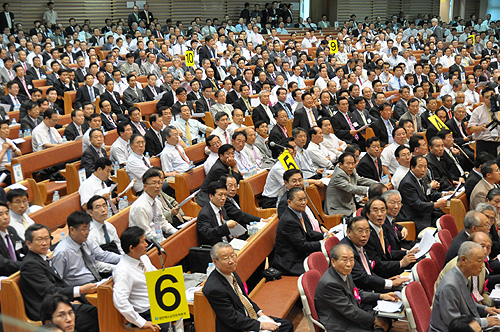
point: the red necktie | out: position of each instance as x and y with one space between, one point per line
182 155
376 166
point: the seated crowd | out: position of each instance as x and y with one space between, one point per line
386 127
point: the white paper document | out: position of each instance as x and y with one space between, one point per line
18 140
181 226
388 306
425 244
238 244
237 230
130 185
190 293
187 199
107 190
264 318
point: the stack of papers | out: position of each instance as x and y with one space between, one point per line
388 306
425 244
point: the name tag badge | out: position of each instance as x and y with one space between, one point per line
369 120
355 124
30 86
429 190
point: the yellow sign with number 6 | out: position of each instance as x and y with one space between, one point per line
167 295
334 46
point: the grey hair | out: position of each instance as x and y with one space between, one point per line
335 252
485 206
457 106
216 247
471 219
466 248
261 93
168 130
388 193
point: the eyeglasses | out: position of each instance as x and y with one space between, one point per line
226 259
83 229
362 231
63 315
43 239
20 202
154 183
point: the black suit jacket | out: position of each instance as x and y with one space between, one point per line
206 53
293 244
454 67
301 119
386 265
216 172
276 135
361 278
89 157
32 74
392 233
135 130
153 144
417 205
231 97
230 313
234 212
37 280
176 107
439 171
79 77
23 95
366 168
455 245
326 111
83 95
202 106
27 123
107 124
342 129
3 21
166 100
457 136
7 265
209 232
259 114
148 94
240 104
380 130
117 106
470 183
192 96
71 132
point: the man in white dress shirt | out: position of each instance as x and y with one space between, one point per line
222 122
189 128
320 156
332 143
173 158
96 182
120 149
389 162
239 140
17 200
403 157
213 143
130 291
137 164
45 135
8 151
146 210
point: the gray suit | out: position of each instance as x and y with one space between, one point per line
341 190
453 299
267 158
149 68
130 98
125 69
338 309
4 76
407 116
220 108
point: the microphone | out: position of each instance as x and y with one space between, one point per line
158 246
273 144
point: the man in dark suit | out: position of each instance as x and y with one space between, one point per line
384 126
307 116
207 51
168 99
401 106
150 91
340 305
213 224
295 238
282 104
438 165
155 137
132 94
77 127
325 109
263 112
460 135
279 132
81 71
475 175
39 278
117 106
11 245
146 15
94 151
87 92
6 18
36 72
343 127
181 95
370 166
25 83
473 222
358 231
420 203
133 17
234 310
206 101
33 118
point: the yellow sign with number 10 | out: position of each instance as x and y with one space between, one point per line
189 57
334 46
167 295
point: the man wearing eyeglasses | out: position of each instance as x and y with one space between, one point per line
39 278
17 200
234 310
45 135
10 245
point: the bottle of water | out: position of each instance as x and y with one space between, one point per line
202 138
159 236
246 112
147 156
14 122
245 173
191 164
187 143
64 139
55 197
254 170
125 202
27 133
116 167
63 236
110 212
210 268
120 204
21 135
255 228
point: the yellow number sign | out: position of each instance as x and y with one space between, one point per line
287 161
334 47
167 295
189 57
437 122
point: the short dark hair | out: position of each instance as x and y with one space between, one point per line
461 324
49 305
353 220
213 186
376 189
131 237
344 155
292 171
120 127
369 204
482 157
487 167
414 160
150 173
78 218
102 163
292 192
13 193
414 142
90 203
371 140
28 235
224 148
399 149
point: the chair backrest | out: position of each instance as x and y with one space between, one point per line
445 238
358 212
307 284
438 254
448 222
427 274
316 261
329 244
415 299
